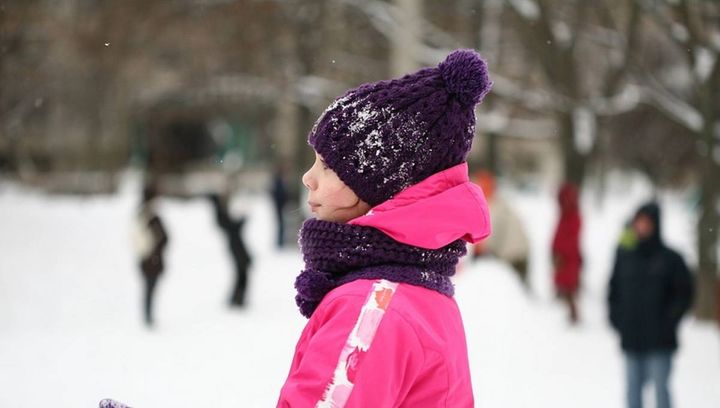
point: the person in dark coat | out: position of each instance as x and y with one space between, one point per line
649 292
233 229
567 259
151 240
279 196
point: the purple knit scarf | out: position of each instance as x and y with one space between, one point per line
336 254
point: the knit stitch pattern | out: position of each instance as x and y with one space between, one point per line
109 403
336 254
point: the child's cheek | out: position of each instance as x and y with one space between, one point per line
342 197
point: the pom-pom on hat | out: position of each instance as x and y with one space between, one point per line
385 136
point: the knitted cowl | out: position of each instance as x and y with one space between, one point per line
336 254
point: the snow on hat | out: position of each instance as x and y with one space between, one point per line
385 136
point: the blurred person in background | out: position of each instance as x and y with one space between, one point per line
279 196
508 241
649 292
150 240
566 256
233 229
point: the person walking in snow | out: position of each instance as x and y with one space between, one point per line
508 241
150 240
279 194
649 292
566 256
393 209
233 229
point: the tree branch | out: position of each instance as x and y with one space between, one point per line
384 17
697 34
580 22
615 76
624 101
674 108
538 33
677 33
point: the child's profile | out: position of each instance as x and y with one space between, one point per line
393 209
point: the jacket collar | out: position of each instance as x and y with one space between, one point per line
434 212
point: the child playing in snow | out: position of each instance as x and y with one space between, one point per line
393 205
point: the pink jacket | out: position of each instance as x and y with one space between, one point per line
376 343
411 217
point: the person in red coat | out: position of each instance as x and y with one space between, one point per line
567 259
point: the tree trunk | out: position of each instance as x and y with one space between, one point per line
707 234
491 153
306 48
304 156
573 161
406 41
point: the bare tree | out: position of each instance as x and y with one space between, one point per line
688 93
575 43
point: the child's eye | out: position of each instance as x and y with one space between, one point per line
324 165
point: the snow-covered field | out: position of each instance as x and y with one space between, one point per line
71 332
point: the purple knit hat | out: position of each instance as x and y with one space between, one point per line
385 136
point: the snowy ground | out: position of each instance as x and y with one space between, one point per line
70 331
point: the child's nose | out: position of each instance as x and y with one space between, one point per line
309 181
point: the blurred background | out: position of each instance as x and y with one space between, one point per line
208 103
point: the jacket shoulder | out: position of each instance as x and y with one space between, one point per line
624 251
673 258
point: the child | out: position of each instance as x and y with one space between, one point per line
393 204
508 241
150 241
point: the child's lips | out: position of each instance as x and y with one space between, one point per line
313 206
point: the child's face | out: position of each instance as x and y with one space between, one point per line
330 199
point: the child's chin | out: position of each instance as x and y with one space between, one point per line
328 219
331 218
